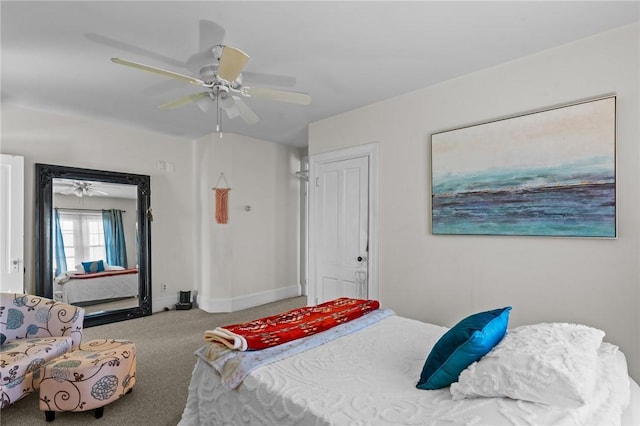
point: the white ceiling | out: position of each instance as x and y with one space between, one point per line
56 55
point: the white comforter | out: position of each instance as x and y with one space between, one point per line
99 288
368 378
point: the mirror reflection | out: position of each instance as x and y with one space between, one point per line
94 247
93 242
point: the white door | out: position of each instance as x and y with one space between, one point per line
342 229
12 223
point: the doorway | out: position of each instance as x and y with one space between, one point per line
343 225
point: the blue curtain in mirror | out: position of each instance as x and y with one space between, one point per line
58 246
114 242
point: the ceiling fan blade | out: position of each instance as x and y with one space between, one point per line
246 113
120 45
158 71
232 61
278 95
183 100
211 34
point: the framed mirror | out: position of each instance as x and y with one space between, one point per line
93 242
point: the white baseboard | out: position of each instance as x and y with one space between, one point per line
238 303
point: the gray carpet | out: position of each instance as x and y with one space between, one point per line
165 343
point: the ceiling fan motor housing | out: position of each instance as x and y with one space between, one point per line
220 90
209 74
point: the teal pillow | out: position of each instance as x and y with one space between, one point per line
467 342
95 266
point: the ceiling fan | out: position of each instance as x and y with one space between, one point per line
220 75
80 189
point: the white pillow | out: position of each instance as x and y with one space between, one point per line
112 267
552 364
80 268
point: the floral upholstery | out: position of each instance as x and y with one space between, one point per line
20 362
98 373
33 330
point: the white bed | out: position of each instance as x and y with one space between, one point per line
86 289
369 378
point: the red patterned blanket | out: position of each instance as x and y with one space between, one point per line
287 326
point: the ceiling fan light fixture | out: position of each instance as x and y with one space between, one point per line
204 103
232 112
226 101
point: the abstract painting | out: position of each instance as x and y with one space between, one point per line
548 173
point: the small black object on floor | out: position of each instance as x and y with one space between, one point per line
185 301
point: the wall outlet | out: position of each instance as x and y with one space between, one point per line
163 287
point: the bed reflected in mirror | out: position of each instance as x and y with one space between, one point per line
93 246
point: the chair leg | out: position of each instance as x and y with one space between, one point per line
50 415
99 412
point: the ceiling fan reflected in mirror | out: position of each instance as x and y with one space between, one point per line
77 188
221 76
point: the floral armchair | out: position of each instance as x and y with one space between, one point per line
33 331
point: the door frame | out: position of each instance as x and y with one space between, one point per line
14 220
369 151
303 174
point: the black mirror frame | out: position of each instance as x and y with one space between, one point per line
45 173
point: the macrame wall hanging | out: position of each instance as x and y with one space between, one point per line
222 200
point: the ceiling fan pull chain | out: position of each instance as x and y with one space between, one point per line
219 115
